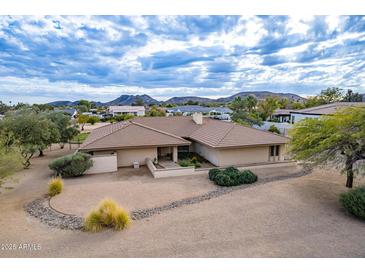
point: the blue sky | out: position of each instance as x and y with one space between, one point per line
46 58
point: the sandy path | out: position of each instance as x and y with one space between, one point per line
293 218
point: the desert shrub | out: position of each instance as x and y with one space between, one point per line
213 173
354 201
231 176
93 119
232 172
71 165
247 177
222 179
108 215
185 163
274 129
55 186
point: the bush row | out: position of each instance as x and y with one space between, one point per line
231 176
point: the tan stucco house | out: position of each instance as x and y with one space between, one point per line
156 138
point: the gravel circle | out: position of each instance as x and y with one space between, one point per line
41 209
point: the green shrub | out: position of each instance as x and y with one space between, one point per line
55 186
71 165
354 201
185 163
222 179
247 177
231 176
213 173
108 215
274 129
232 172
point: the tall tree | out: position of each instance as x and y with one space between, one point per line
331 95
337 140
350 96
63 124
82 120
85 103
250 102
267 107
139 101
244 111
30 131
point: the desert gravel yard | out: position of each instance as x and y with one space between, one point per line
298 217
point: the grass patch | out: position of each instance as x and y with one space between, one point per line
108 215
81 137
55 186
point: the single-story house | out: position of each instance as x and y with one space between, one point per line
163 138
130 110
221 113
294 116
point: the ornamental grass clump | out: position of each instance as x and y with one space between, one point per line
108 215
55 186
354 201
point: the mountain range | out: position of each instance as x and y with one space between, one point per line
148 100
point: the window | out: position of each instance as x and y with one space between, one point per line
274 151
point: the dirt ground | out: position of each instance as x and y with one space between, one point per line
298 217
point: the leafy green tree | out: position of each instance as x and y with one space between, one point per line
350 96
250 102
139 101
63 124
85 103
267 107
82 120
155 112
331 95
314 101
93 120
297 105
10 159
274 129
4 107
30 131
337 140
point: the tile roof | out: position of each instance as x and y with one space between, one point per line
129 134
159 131
329 108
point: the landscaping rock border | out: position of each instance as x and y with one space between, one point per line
41 209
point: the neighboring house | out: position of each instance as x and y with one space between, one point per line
130 110
162 138
295 116
69 111
221 113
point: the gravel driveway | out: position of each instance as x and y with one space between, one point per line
298 217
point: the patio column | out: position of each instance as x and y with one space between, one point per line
174 154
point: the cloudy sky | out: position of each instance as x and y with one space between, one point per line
99 58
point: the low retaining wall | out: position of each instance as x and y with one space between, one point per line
103 163
168 172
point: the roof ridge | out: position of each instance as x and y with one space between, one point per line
128 123
157 130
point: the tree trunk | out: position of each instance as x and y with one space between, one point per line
41 154
350 175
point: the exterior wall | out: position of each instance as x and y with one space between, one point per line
168 172
238 156
242 156
126 157
211 154
103 163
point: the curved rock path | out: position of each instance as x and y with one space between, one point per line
41 209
